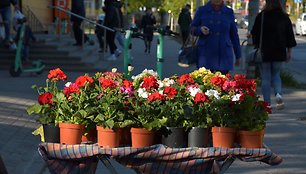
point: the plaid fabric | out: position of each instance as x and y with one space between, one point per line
157 159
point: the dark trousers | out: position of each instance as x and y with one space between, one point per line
100 36
78 32
110 39
185 34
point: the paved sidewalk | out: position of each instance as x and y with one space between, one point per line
285 133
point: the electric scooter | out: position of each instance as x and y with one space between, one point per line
37 66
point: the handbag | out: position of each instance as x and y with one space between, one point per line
257 58
188 54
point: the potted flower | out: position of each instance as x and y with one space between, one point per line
199 120
174 90
252 113
220 101
46 107
74 109
147 108
111 106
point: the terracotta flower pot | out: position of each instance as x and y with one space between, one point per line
223 137
107 138
142 137
70 133
251 139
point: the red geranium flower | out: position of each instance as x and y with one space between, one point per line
57 74
107 83
200 98
45 98
170 91
72 88
80 81
185 79
127 83
156 96
149 83
219 81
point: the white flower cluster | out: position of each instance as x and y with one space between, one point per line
143 93
236 97
165 82
145 72
212 92
194 90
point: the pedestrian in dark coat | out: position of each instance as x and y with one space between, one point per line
77 7
5 13
184 21
114 20
277 41
147 24
214 23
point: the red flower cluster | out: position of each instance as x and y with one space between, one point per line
185 79
149 83
80 81
170 92
200 98
156 96
127 83
217 80
107 83
45 98
57 74
72 88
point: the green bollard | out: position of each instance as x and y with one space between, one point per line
160 60
126 55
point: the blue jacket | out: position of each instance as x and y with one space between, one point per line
215 50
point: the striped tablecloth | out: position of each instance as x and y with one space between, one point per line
158 159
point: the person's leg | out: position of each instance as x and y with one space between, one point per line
120 39
77 32
110 38
6 17
100 39
276 79
26 52
265 71
277 84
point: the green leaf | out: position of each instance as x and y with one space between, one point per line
36 108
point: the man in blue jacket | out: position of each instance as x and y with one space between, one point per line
5 12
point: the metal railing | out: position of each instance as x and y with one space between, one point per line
33 20
93 23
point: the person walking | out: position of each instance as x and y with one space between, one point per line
147 24
184 22
214 23
5 12
77 7
112 20
277 41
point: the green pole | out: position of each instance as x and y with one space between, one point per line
18 63
126 56
160 60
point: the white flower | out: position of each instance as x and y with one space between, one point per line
236 97
212 92
193 90
114 70
68 84
142 93
168 82
144 73
130 68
